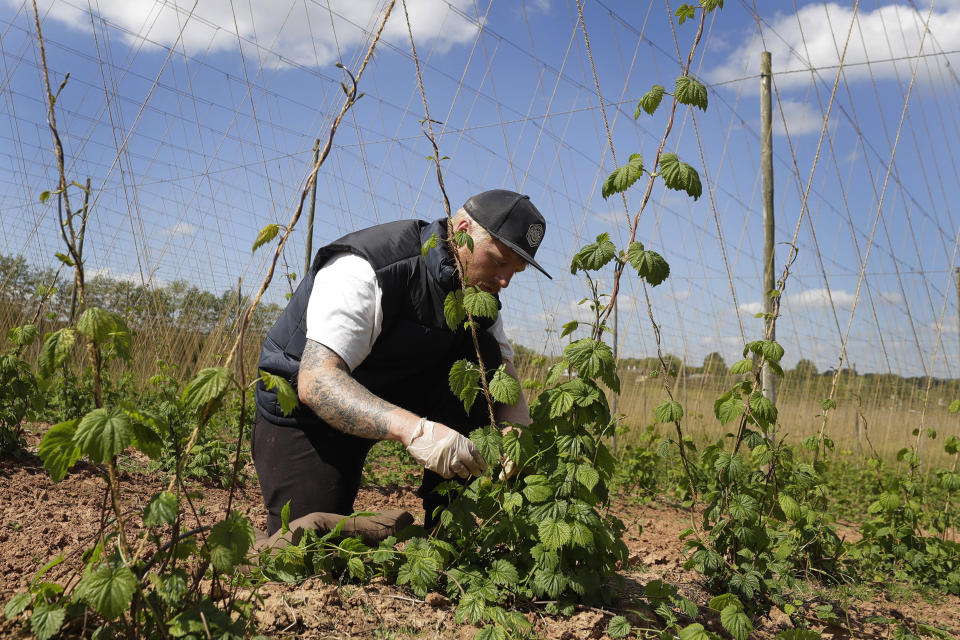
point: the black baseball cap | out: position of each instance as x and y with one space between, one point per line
512 219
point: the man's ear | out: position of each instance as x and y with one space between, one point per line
462 225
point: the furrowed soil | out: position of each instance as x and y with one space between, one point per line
40 519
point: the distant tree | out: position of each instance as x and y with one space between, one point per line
714 364
526 357
673 364
805 368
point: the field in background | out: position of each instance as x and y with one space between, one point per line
873 413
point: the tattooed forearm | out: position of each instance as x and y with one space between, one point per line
326 386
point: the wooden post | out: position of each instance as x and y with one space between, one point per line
313 208
766 169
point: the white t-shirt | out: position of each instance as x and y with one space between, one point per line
345 313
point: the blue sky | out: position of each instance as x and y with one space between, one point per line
195 123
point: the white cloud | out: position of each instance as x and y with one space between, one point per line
112 274
751 308
801 118
679 295
180 229
815 37
817 299
613 217
808 299
890 297
306 33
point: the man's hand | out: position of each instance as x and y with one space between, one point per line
441 449
509 468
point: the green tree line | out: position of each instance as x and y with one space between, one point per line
178 304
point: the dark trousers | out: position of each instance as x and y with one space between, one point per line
318 468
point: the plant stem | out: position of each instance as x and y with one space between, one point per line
446 206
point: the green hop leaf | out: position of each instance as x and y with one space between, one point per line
680 176
954 406
266 234
58 450
503 572
471 607
553 533
689 91
828 404
26 335
488 441
710 5
463 238
146 426
771 351
104 433
96 324
453 310
720 602
595 255
571 326
504 387
163 508
649 101
208 385
64 258
229 541
623 177
618 627
668 411
762 409
650 265
736 622
728 407
588 356
431 243
593 358
694 631
286 396
683 12
480 303
743 366
512 501
17 604
44 196
791 508
464 381
109 589
491 631
587 476
537 489
46 620
561 402
55 350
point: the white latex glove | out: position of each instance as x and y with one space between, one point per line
441 449
509 468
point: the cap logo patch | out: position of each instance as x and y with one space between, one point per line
534 235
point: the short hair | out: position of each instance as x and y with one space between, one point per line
477 232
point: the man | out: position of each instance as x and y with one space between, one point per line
365 343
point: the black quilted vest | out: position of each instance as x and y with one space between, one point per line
411 359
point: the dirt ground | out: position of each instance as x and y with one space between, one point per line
40 519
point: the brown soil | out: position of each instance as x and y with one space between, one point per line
40 520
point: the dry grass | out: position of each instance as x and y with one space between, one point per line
888 412
885 424
181 351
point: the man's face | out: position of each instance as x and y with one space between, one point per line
491 265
